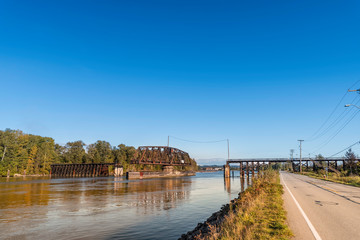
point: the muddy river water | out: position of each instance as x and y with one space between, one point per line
110 208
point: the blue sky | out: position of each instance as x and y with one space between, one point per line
260 73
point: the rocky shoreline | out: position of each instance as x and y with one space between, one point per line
203 229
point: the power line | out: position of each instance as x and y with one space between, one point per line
336 133
328 118
334 123
185 140
358 142
316 135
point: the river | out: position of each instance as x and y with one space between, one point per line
110 208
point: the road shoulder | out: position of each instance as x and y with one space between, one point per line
295 220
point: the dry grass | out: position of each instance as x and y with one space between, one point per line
257 214
332 177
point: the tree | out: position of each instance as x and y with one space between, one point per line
100 152
350 159
74 152
123 154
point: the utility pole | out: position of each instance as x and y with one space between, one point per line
300 155
228 149
168 141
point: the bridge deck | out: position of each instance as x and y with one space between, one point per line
278 160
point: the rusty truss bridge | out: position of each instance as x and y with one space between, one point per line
152 155
159 155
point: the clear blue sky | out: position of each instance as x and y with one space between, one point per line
261 73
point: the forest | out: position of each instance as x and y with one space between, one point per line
28 154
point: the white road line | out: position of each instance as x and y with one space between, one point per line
313 230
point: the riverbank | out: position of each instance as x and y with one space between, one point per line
333 177
257 213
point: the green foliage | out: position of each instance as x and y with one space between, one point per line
25 153
100 152
123 154
30 154
350 161
74 152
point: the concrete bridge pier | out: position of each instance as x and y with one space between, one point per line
118 171
247 168
227 170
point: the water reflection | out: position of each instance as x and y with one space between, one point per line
244 181
227 184
103 207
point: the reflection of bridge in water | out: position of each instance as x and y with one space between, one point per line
248 166
243 182
154 195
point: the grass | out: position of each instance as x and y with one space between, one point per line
333 177
257 214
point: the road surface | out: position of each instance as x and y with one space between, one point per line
320 209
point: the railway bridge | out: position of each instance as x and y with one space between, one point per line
251 165
145 155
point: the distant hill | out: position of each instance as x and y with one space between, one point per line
211 161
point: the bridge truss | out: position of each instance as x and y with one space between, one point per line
160 155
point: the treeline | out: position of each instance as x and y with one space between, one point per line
31 154
352 165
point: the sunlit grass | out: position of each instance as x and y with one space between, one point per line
333 177
257 214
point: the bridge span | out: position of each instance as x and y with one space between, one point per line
248 165
144 155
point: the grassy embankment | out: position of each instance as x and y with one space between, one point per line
333 177
257 214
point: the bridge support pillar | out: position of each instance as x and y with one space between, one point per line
241 170
252 169
118 171
247 168
336 167
314 166
227 170
307 165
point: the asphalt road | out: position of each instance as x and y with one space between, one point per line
320 209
